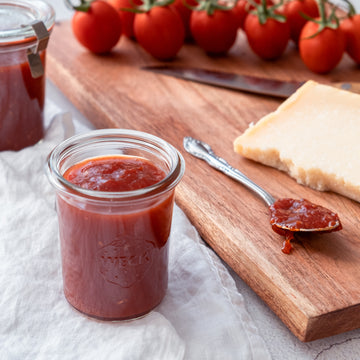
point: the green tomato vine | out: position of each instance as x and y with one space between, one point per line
210 6
265 12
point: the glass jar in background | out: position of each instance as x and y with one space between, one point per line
114 244
25 26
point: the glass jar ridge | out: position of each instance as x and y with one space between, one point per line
16 19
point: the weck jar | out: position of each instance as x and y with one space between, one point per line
114 225
25 27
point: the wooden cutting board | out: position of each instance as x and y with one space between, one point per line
315 290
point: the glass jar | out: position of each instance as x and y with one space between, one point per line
24 32
114 245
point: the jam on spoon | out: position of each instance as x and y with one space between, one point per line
287 216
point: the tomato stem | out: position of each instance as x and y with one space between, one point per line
211 5
83 6
265 12
322 12
147 5
331 21
351 8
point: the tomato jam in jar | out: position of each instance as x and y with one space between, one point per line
25 26
115 196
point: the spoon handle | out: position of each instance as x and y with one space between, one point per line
203 151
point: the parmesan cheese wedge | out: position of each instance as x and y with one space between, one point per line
314 136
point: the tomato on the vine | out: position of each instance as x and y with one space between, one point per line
214 27
160 31
322 42
267 31
127 17
96 25
241 10
182 6
322 52
293 11
351 28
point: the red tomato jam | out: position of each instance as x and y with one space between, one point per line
21 102
115 257
289 216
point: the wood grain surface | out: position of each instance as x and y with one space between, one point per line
315 290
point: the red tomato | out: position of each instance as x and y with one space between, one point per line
160 31
185 13
215 33
322 52
127 17
268 40
351 28
99 28
293 10
241 10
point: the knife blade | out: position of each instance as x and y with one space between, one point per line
246 83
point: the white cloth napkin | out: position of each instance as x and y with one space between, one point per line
202 316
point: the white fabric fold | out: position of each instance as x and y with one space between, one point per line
202 316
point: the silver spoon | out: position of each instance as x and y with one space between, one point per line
203 151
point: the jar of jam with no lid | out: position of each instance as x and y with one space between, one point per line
24 32
115 195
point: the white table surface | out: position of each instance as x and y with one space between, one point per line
282 344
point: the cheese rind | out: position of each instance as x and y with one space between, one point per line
314 136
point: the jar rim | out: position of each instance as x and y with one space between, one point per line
57 179
17 30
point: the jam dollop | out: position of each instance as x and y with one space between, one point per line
288 216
